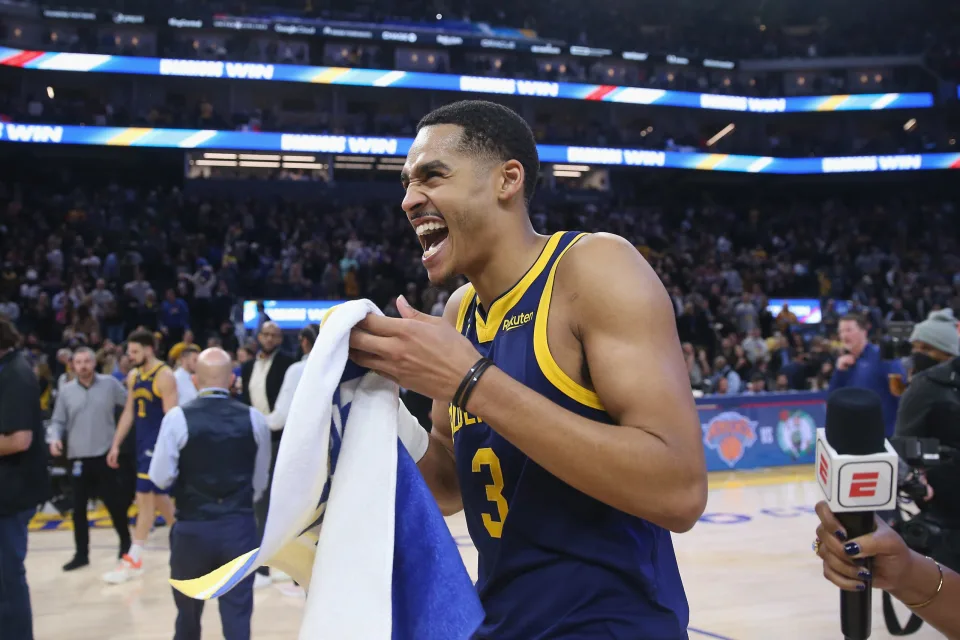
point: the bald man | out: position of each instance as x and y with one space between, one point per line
215 453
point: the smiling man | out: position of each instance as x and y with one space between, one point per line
564 426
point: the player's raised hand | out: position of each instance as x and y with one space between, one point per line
418 351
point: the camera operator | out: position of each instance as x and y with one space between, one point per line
930 408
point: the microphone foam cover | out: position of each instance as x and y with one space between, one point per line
854 423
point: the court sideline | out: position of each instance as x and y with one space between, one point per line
747 568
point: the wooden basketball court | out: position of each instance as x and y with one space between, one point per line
747 566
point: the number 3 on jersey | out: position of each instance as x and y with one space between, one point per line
487 458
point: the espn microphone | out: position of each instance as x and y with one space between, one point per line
857 471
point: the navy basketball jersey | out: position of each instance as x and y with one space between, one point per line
554 562
147 405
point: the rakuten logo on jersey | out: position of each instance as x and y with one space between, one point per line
866 485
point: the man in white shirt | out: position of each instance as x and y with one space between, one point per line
261 380
281 409
187 367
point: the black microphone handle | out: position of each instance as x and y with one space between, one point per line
856 607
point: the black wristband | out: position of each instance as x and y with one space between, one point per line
466 379
470 381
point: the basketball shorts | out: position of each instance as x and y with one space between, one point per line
144 484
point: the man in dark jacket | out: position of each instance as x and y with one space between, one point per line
23 480
930 408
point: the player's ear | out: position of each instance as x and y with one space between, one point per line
511 179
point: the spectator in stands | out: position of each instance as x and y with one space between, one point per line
723 370
786 318
862 366
174 317
86 416
23 479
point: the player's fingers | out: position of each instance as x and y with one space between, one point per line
830 522
362 340
381 325
370 361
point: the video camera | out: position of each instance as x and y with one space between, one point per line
922 533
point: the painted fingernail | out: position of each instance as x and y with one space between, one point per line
864 573
861 587
841 536
852 548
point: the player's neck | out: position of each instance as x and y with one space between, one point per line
149 363
512 256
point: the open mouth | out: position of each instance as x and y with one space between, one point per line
432 235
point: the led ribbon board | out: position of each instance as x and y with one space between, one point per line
93 63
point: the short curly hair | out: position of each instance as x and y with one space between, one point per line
493 131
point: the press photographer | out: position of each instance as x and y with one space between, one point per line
930 408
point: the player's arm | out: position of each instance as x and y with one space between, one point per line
167 386
165 463
438 465
652 465
124 424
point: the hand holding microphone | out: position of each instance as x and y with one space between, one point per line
892 558
857 472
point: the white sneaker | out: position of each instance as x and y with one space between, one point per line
279 576
125 571
261 581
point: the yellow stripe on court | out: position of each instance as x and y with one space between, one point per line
761 477
128 136
329 75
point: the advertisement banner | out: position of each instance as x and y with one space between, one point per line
366 145
754 431
290 315
94 63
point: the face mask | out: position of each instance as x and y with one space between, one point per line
922 361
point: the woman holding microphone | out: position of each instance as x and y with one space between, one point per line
930 591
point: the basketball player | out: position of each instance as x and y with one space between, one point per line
576 452
152 393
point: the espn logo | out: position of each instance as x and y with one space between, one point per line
864 485
824 468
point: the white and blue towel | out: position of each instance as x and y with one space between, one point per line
351 518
